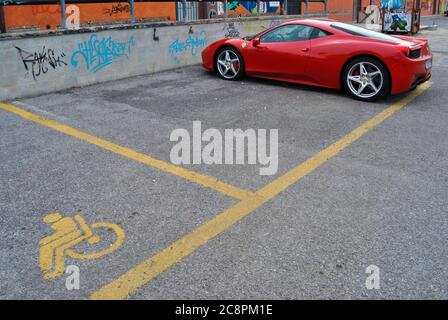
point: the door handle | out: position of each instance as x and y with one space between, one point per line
305 49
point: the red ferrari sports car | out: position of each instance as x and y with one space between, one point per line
327 53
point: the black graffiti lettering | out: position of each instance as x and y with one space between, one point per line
231 31
39 62
116 9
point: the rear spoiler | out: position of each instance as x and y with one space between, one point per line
412 39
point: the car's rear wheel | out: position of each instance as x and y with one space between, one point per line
366 79
229 64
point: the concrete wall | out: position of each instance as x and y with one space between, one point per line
39 63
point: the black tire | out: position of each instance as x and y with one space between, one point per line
371 80
233 54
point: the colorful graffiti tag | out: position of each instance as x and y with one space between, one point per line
249 7
191 44
397 21
97 53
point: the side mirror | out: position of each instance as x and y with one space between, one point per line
255 42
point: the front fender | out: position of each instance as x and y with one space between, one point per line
209 53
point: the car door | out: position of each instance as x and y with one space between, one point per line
280 53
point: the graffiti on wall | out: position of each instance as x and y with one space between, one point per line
212 9
98 53
272 23
397 21
241 8
189 45
40 62
117 9
230 30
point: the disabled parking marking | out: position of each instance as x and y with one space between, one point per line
69 232
143 273
204 180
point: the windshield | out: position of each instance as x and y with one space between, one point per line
358 31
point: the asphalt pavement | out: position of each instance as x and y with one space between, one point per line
103 152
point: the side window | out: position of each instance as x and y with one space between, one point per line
288 33
318 33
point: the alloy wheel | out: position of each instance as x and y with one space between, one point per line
365 80
228 64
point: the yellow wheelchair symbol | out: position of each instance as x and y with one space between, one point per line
70 231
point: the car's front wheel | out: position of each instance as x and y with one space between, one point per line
229 64
366 79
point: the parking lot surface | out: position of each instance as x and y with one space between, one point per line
358 184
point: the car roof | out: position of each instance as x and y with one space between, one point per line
323 23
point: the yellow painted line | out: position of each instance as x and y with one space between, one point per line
140 275
192 176
149 269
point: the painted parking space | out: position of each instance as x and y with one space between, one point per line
101 154
121 201
144 272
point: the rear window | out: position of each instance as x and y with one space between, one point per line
362 32
318 33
